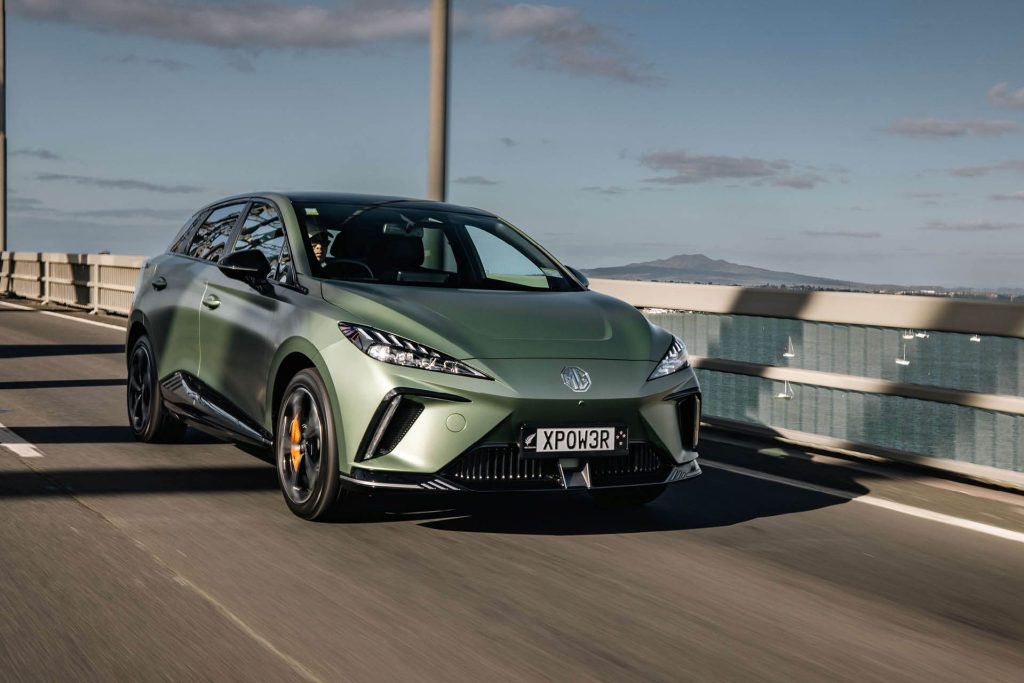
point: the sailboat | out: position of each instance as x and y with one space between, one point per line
786 393
921 334
976 338
790 352
903 360
908 334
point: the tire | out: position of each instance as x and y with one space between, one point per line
306 449
627 497
148 419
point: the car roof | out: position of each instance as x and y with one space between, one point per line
361 200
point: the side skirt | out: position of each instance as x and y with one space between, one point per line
200 406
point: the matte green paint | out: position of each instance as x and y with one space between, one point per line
521 339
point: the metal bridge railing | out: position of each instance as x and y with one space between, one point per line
957 406
97 282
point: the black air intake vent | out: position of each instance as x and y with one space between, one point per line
400 424
688 409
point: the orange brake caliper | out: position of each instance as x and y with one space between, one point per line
296 438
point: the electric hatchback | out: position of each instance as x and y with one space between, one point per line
380 343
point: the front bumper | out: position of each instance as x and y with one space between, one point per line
408 429
504 471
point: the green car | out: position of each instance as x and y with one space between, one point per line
389 344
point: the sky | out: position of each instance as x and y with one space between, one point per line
871 141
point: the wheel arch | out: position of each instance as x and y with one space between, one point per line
136 328
293 355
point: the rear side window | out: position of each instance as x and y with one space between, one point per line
181 240
264 230
212 236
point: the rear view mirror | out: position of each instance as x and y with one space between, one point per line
249 265
403 230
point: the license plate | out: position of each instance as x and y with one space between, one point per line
589 440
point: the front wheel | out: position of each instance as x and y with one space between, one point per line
627 497
306 448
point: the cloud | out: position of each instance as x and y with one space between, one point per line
44 154
805 181
1001 96
133 214
239 63
239 25
925 195
172 65
475 180
24 204
1008 197
979 171
977 226
609 189
842 233
688 169
508 142
939 128
562 39
118 184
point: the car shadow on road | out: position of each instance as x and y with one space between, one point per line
41 350
718 498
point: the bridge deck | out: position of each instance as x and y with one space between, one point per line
124 561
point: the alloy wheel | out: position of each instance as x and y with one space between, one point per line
140 388
300 450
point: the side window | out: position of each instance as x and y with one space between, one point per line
264 230
437 251
502 261
212 236
181 241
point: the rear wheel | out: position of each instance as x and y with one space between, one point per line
305 444
627 497
149 420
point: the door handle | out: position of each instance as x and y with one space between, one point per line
211 301
159 283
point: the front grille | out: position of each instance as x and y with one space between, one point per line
499 468
644 464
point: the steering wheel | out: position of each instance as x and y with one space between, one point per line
330 266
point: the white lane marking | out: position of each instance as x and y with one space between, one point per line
97 323
55 314
16 444
893 506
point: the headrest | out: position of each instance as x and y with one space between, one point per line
401 252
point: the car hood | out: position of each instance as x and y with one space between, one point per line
469 323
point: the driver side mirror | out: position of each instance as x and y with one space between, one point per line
249 265
579 276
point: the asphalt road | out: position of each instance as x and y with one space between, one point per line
123 561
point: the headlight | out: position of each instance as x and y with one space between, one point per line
390 348
674 360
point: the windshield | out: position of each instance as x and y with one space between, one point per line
392 244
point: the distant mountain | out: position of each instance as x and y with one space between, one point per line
700 268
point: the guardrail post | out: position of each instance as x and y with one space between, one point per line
94 285
44 271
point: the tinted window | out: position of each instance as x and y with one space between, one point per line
394 244
213 235
264 230
181 241
502 261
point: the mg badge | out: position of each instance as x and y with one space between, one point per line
576 378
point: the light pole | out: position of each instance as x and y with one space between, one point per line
437 145
3 126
